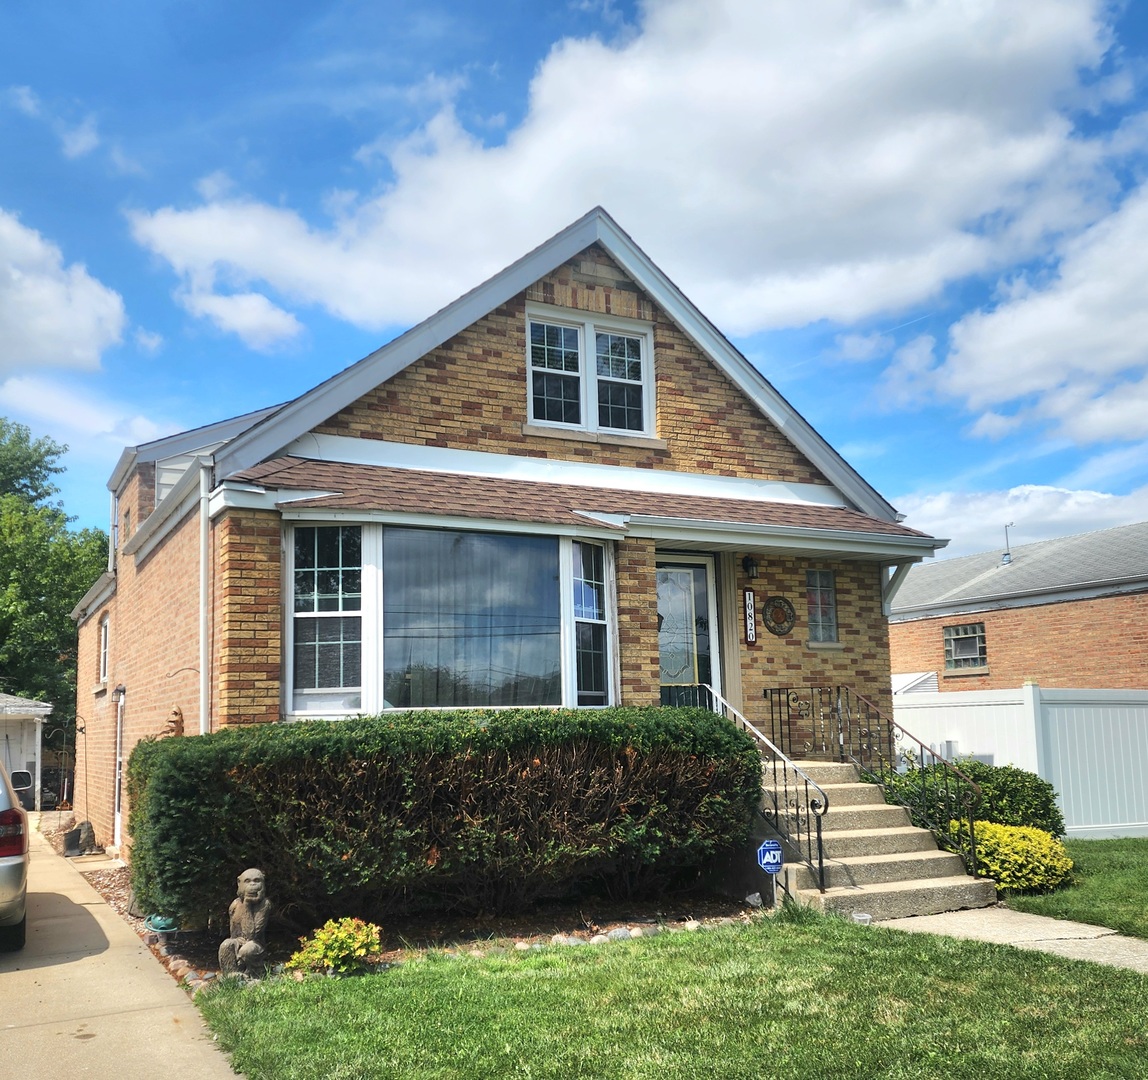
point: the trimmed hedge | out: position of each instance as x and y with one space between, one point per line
480 810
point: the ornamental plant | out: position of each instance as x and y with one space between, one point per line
1021 859
344 946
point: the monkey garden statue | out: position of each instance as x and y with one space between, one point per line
245 949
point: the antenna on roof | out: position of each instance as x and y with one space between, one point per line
1006 558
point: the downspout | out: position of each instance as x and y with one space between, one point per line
204 593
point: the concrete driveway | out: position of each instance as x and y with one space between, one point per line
86 997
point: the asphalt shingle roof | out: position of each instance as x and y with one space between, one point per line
1087 560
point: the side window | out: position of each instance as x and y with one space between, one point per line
555 373
328 626
821 599
965 646
590 631
103 661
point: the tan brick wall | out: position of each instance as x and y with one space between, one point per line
249 616
1093 644
636 574
861 659
471 393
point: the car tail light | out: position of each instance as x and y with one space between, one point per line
13 838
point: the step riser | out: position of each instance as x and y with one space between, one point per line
907 902
876 817
882 873
819 772
839 795
844 846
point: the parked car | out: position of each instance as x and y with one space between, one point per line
13 867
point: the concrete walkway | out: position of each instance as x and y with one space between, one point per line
86 997
1072 940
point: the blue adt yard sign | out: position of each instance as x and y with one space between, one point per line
769 857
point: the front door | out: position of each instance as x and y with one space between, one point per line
687 630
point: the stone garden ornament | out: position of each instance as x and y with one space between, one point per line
243 952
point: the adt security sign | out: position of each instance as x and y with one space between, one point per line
769 857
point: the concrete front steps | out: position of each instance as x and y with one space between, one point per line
876 862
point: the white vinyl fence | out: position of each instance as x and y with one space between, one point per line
1091 745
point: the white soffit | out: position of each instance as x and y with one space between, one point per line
437 459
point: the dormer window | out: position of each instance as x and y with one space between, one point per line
590 373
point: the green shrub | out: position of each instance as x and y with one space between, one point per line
1012 796
348 946
1009 796
480 810
1019 858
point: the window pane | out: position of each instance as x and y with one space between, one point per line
556 398
327 568
328 653
619 356
821 602
620 406
589 582
553 347
591 653
470 619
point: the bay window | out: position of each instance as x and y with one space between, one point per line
398 617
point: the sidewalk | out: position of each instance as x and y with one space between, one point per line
86 997
1071 940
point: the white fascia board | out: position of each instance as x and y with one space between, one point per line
101 591
437 459
171 511
184 442
267 439
1036 598
744 375
832 543
312 408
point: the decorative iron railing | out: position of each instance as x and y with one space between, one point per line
792 803
840 724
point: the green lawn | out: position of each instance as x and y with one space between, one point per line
805 996
1111 887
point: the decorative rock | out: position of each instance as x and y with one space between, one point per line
522 946
558 939
619 933
637 931
691 924
651 931
599 939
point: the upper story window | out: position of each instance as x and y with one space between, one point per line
965 646
595 374
821 600
103 661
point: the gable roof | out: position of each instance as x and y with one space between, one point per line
1069 567
270 435
12 705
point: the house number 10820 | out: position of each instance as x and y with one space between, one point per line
750 618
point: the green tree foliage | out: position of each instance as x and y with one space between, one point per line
45 568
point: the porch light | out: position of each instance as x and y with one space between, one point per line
119 693
749 565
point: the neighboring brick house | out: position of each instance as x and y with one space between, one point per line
565 488
1064 613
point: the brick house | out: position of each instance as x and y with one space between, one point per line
564 488
1065 613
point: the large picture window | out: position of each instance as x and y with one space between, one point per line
592 374
445 618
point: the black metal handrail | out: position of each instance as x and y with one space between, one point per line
792 802
842 724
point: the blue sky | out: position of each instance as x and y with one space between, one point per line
926 223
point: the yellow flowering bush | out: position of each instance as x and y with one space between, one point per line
1019 858
346 946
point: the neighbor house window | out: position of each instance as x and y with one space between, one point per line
445 618
965 646
104 631
593 374
821 600
327 652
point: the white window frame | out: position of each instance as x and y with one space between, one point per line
368 697
588 325
816 628
105 636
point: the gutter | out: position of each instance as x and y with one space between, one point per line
204 594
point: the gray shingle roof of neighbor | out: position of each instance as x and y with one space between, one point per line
12 704
1111 558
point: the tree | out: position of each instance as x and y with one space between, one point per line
45 569
26 465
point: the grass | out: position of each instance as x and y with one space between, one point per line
1111 887
800 996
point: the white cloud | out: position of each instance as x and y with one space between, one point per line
81 139
51 314
908 379
863 347
257 322
784 163
25 100
975 521
147 340
1073 350
77 416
